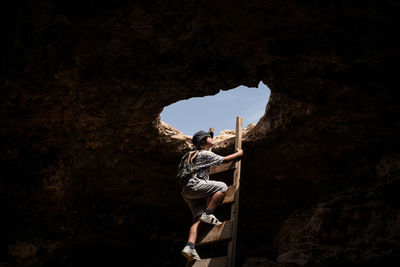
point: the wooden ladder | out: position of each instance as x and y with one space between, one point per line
228 229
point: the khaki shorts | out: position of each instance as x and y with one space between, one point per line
198 192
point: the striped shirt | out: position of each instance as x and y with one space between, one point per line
206 159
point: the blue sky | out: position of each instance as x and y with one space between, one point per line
218 111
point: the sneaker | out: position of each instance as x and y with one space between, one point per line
190 254
209 218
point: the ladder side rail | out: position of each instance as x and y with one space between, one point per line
235 205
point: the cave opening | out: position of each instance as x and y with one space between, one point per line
218 111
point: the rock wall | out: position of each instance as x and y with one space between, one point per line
88 167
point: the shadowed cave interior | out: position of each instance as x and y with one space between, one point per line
88 168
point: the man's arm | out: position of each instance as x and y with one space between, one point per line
237 154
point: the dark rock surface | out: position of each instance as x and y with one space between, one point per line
88 169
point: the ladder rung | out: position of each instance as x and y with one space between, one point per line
210 262
213 233
231 165
230 195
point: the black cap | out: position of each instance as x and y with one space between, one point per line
200 135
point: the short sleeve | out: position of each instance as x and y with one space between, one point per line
214 158
208 159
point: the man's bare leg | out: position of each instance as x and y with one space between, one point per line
189 250
216 200
193 232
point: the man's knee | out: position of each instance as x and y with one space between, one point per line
219 193
224 188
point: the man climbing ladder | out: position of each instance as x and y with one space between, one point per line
204 195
